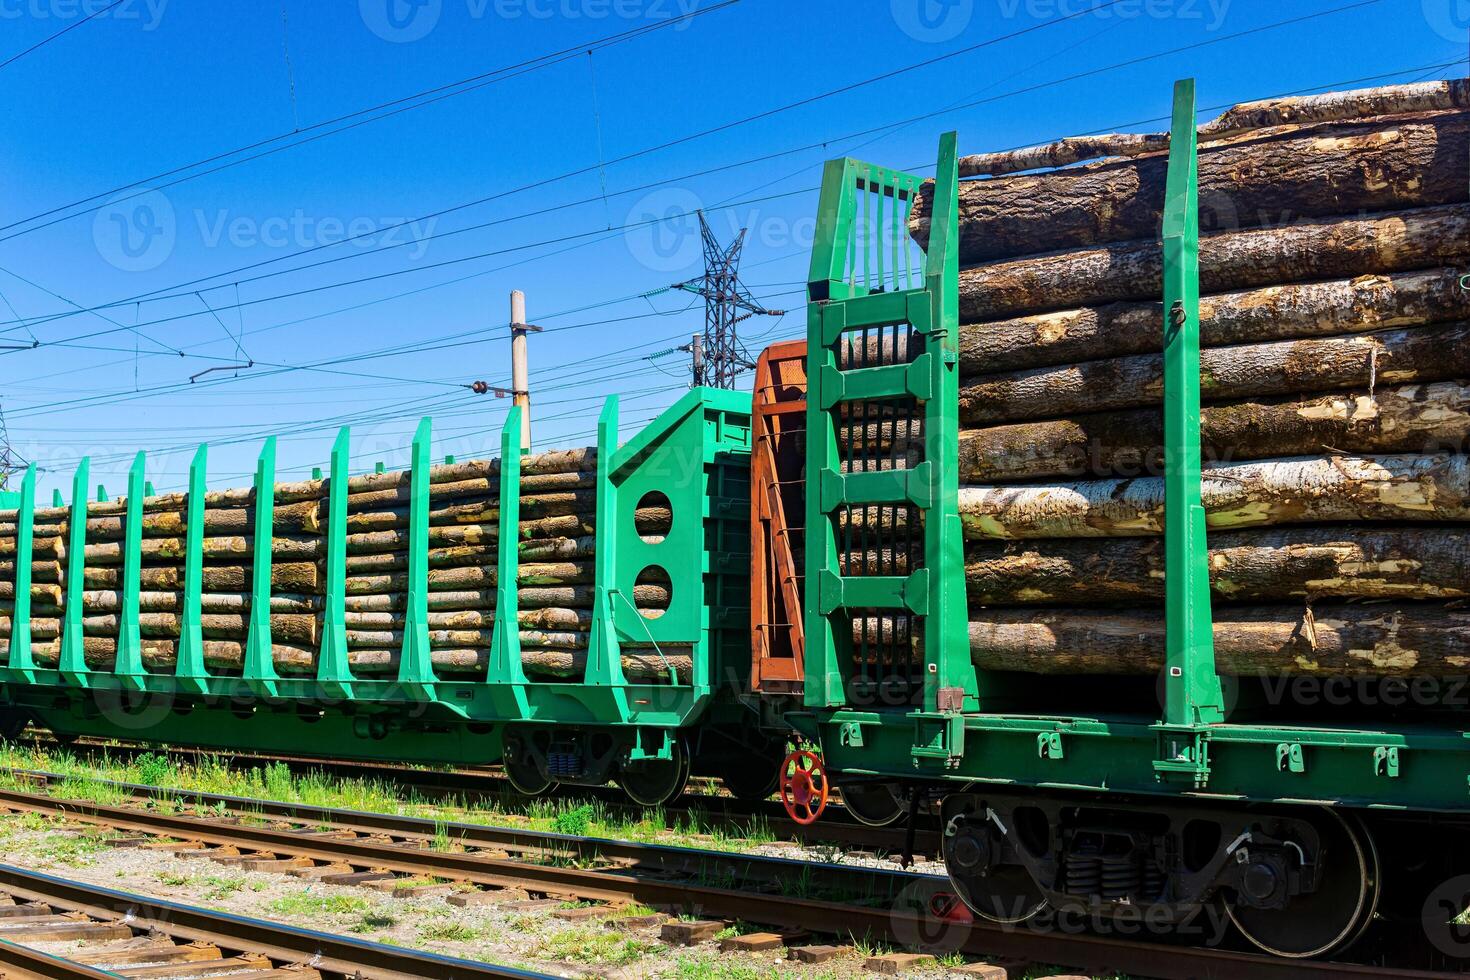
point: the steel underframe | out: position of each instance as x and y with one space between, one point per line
682 454
1191 750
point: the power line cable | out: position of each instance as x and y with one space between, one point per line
68 28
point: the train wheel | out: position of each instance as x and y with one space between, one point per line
1006 895
755 780
656 783
804 787
1337 913
525 777
874 804
13 721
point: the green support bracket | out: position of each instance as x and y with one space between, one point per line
1386 761
415 662
1192 694
57 500
101 494
260 664
604 653
190 671
1289 757
128 666
21 665
148 488
333 671
73 659
1049 746
505 668
950 681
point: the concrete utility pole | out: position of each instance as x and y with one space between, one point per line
696 357
520 372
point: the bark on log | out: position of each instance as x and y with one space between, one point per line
1336 640
289 629
1428 353
1269 565
285 577
636 666
1238 495
284 547
1299 252
1314 309
1427 418
1417 97
109 601
1310 172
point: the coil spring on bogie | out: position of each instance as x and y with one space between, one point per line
1121 877
1153 881
1083 873
563 764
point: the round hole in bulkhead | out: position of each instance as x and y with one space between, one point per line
653 592
653 516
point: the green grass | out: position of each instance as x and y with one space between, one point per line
449 932
82 775
603 948
306 903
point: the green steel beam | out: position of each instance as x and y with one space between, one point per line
190 671
1191 686
21 663
415 662
333 670
128 664
73 662
505 672
604 653
260 662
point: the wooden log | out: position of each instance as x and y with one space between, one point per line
1344 640
285 577
1313 309
548 573
1325 248
1308 490
1310 172
1426 418
1319 364
560 461
289 629
1264 565
283 547
636 666
393 639
551 619
43 593
388 542
1415 97
238 603
162 655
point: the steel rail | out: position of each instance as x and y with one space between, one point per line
336 955
669 859
895 922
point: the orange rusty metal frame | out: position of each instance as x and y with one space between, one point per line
777 496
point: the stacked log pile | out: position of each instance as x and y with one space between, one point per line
1335 376
556 544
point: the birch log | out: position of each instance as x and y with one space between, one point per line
1239 495
1423 419
1328 248
1314 309
1335 640
1416 97
1270 565
1310 172
1317 364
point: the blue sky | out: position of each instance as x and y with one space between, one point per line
198 262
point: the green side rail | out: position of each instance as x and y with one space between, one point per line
190 671
333 669
857 281
505 673
260 663
415 662
129 663
73 659
21 663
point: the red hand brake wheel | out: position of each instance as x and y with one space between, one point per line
804 786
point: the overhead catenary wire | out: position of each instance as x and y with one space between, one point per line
53 37
164 293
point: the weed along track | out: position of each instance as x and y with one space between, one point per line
688 896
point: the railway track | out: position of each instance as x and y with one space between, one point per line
55 929
452 786
344 847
